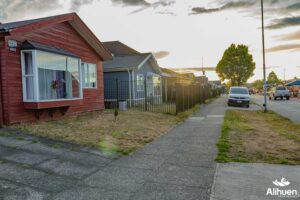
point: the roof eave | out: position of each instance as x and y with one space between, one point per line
118 69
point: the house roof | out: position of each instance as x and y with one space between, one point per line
168 72
294 83
118 48
187 75
12 25
131 62
120 63
29 45
73 19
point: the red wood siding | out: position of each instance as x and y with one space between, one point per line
61 36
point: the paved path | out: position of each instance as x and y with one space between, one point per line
179 165
240 181
289 109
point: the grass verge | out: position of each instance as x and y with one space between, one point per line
254 136
131 130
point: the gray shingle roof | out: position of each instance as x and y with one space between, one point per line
124 62
118 48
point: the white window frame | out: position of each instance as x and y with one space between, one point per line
151 74
36 79
140 88
84 66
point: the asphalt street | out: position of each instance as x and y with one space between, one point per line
289 109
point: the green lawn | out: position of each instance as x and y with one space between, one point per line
254 136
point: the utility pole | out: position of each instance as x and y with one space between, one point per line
284 75
264 55
203 72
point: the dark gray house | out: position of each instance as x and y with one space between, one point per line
131 69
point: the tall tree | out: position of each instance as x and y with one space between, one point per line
273 79
236 65
258 84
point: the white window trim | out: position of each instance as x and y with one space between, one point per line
151 74
24 76
36 79
138 80
83 64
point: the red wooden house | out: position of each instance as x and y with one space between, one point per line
49 67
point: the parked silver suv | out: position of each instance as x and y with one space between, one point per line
279 92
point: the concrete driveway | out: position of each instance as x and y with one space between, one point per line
289 109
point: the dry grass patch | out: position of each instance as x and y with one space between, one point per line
254 136
131 130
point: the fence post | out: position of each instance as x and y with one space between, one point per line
145 91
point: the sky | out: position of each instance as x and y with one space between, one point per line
181 32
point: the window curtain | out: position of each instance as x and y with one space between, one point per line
47 77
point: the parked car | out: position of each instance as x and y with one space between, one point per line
239 96
279 92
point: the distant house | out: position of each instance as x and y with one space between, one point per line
203 80
169 80
187 78
49 67
131 70
294 87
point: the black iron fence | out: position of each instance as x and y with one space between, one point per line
163 96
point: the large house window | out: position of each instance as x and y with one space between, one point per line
156 85
89 72
50 76
140 82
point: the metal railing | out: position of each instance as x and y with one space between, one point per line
164 97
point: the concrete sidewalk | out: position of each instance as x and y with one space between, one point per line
240 181
179 165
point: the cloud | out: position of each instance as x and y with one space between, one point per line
76 4
202 10
291 36
227 6
284 22
288 9
166 13
161 54
293 7
15 9
131 2
155 5
285 47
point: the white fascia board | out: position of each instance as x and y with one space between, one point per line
144 61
